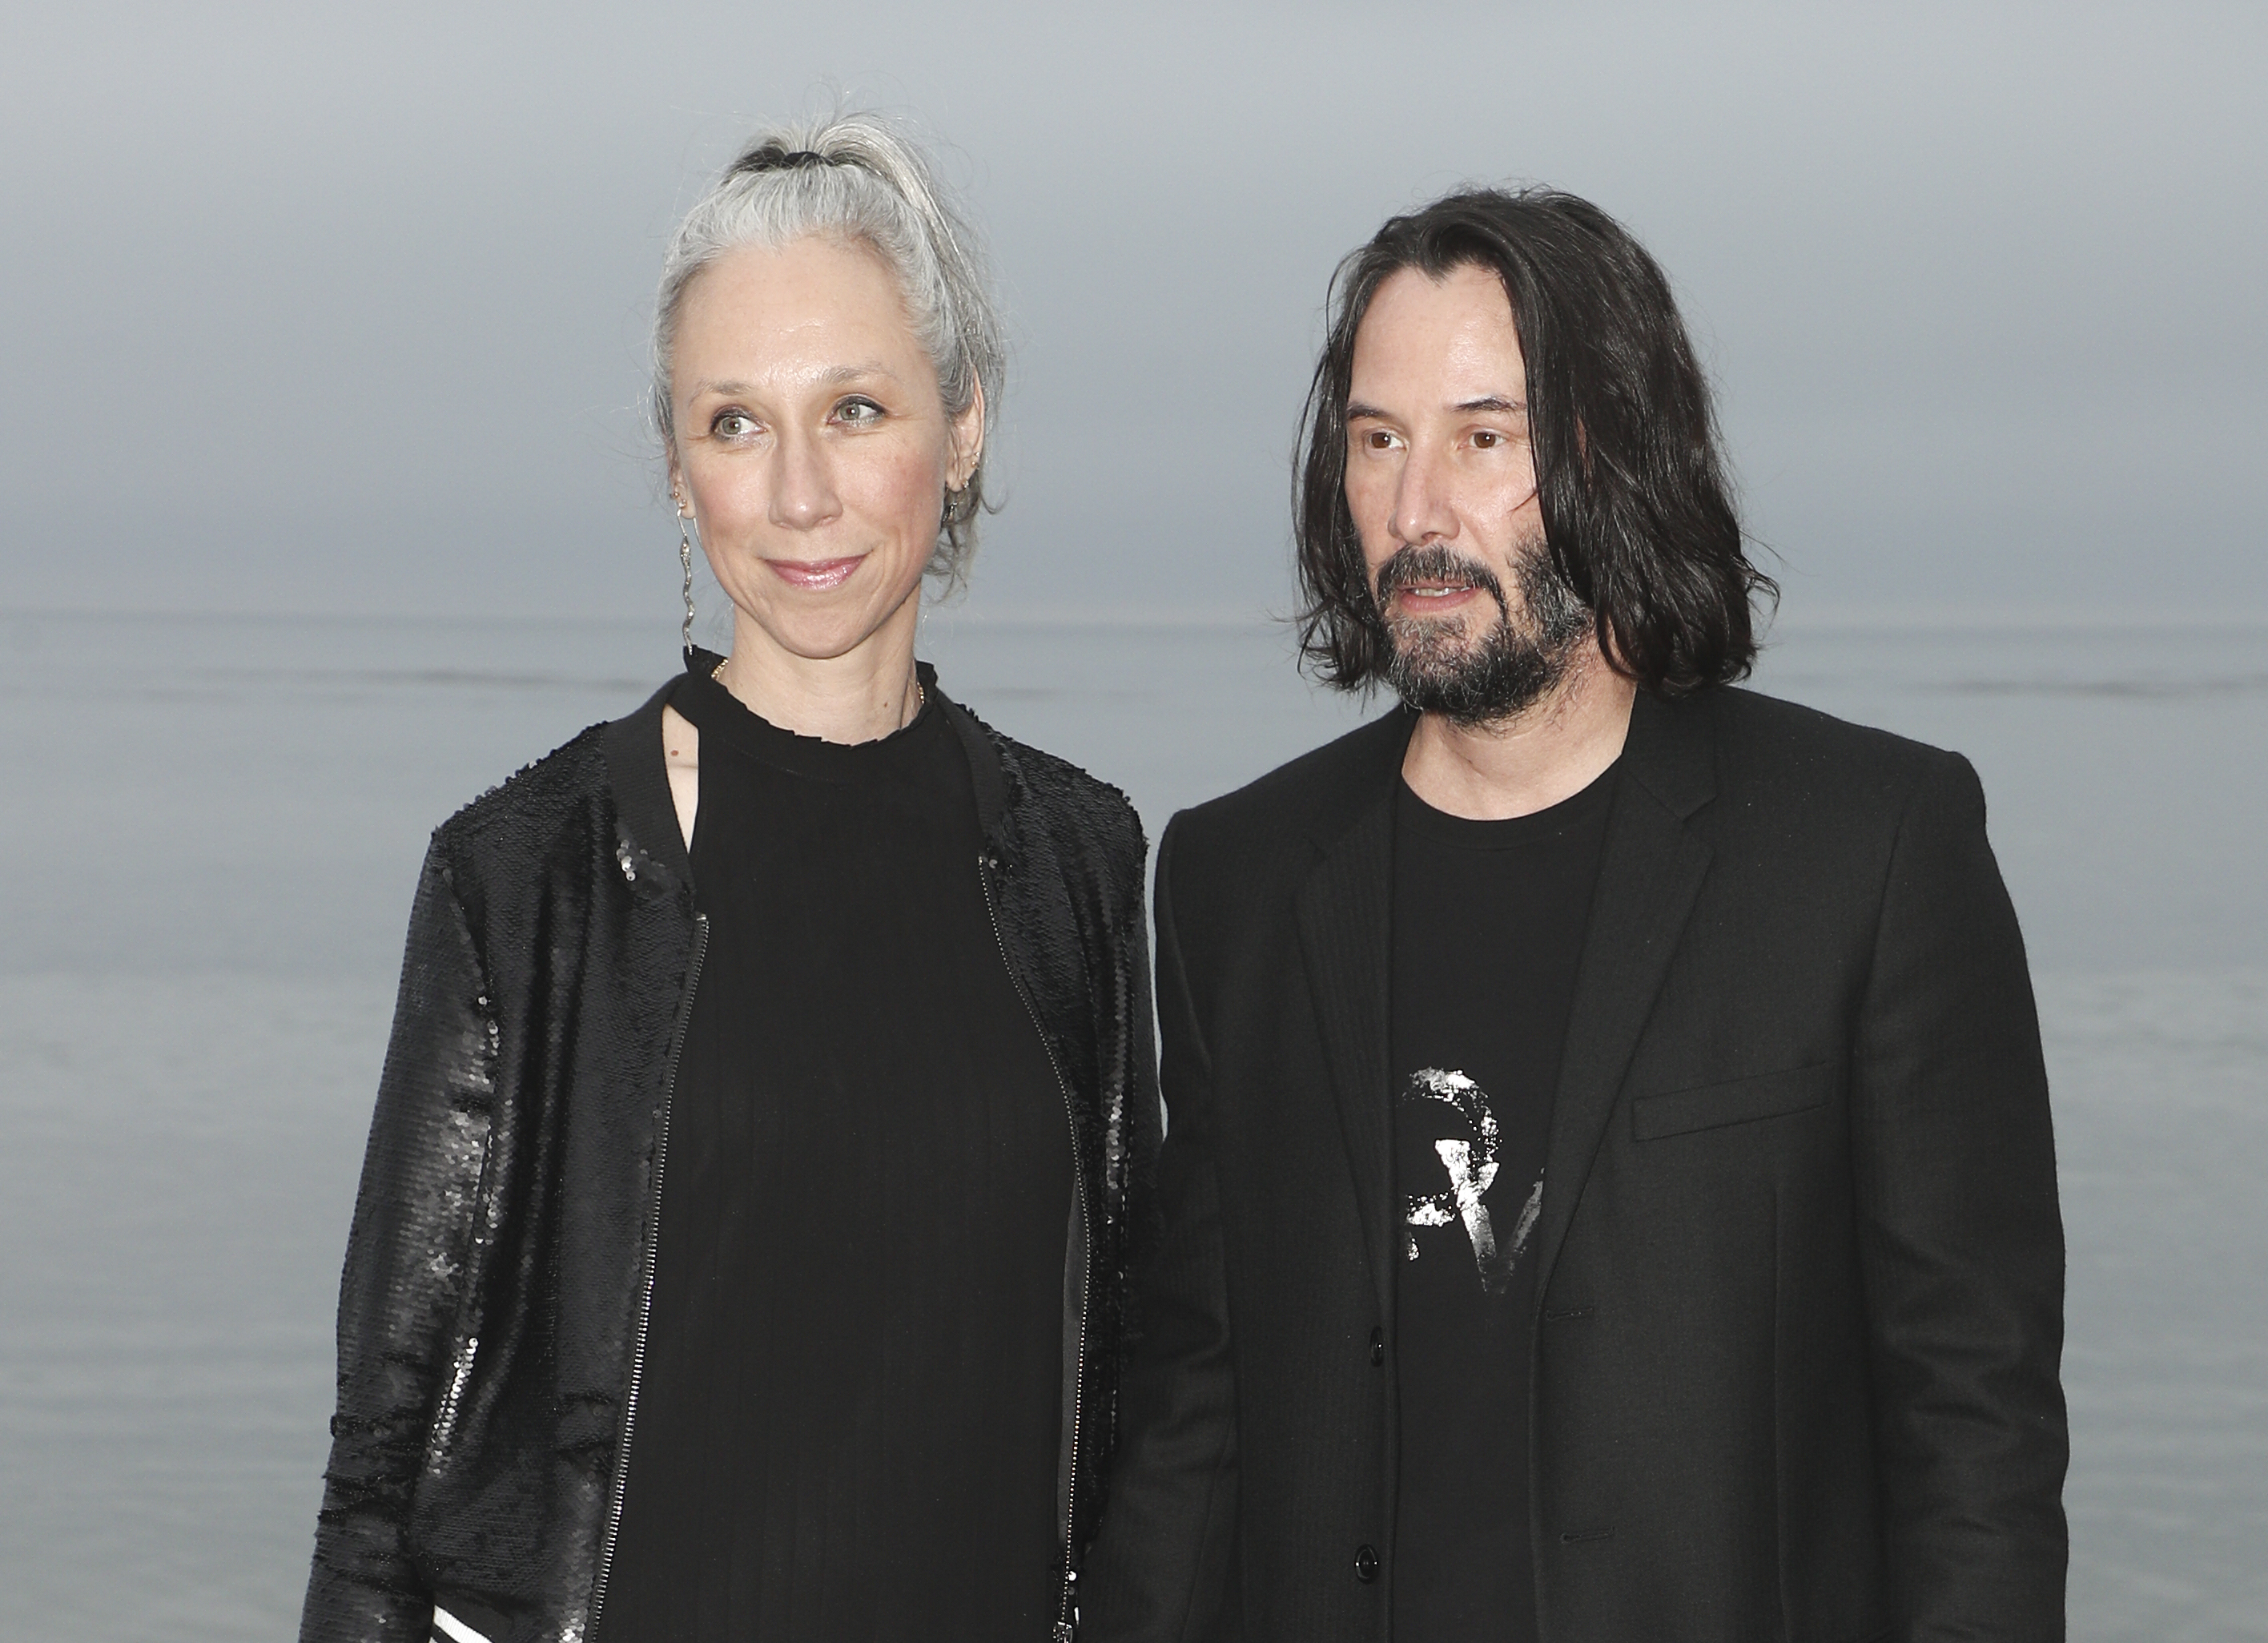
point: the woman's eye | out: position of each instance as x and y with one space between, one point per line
859 410
733 424
1378 439
1487 439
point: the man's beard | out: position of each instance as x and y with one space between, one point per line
1483 680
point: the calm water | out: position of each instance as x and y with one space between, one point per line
215 826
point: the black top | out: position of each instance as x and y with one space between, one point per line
848 1424
1489 919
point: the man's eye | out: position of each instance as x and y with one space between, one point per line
1378 439
1487 439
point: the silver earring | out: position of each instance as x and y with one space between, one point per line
685 557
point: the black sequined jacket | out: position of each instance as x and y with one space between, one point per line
498 1272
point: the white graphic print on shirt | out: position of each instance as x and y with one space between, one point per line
1472 1166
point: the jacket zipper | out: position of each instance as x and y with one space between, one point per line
1066 1627
645 1299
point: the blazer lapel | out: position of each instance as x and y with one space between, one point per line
1649 875
1346 935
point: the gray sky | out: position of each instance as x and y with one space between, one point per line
313 309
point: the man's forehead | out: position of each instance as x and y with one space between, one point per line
1451 341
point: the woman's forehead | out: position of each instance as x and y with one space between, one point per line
816 304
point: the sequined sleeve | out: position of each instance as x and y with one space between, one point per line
403 1291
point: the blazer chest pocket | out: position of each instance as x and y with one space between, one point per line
1739 1101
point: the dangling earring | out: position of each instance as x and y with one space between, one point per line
685 558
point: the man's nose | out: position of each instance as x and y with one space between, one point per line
1421 498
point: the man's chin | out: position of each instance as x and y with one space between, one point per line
1439 644
1475 684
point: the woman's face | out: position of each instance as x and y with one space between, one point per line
812 445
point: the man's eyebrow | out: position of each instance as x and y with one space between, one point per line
1488 404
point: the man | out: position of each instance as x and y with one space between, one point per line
1610 1192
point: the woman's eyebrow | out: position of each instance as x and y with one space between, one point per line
848 374
832 376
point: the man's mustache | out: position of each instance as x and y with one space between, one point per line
1435 562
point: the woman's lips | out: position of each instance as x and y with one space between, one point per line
815 575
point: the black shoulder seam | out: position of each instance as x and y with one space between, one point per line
987 752
639 777
526 788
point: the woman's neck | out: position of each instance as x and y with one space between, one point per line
864 694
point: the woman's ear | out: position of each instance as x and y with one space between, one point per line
968 441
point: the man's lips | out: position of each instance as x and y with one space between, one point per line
1434 595
815 575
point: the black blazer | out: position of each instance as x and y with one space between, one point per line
1800 1265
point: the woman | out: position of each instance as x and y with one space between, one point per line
739 1248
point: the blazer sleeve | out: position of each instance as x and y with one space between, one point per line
1159 1569
402 1289
1961 1238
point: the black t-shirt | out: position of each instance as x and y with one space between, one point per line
1489 919
849 1424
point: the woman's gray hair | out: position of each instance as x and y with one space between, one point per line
855 177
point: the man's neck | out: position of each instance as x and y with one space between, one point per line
1544 753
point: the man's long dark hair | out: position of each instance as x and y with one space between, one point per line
1637 514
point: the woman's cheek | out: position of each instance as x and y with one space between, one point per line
910 489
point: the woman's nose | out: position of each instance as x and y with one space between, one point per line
803 485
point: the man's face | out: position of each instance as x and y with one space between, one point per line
1441 479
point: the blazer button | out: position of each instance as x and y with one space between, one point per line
1377 1349
1366 1564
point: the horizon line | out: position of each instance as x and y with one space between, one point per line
1833 618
